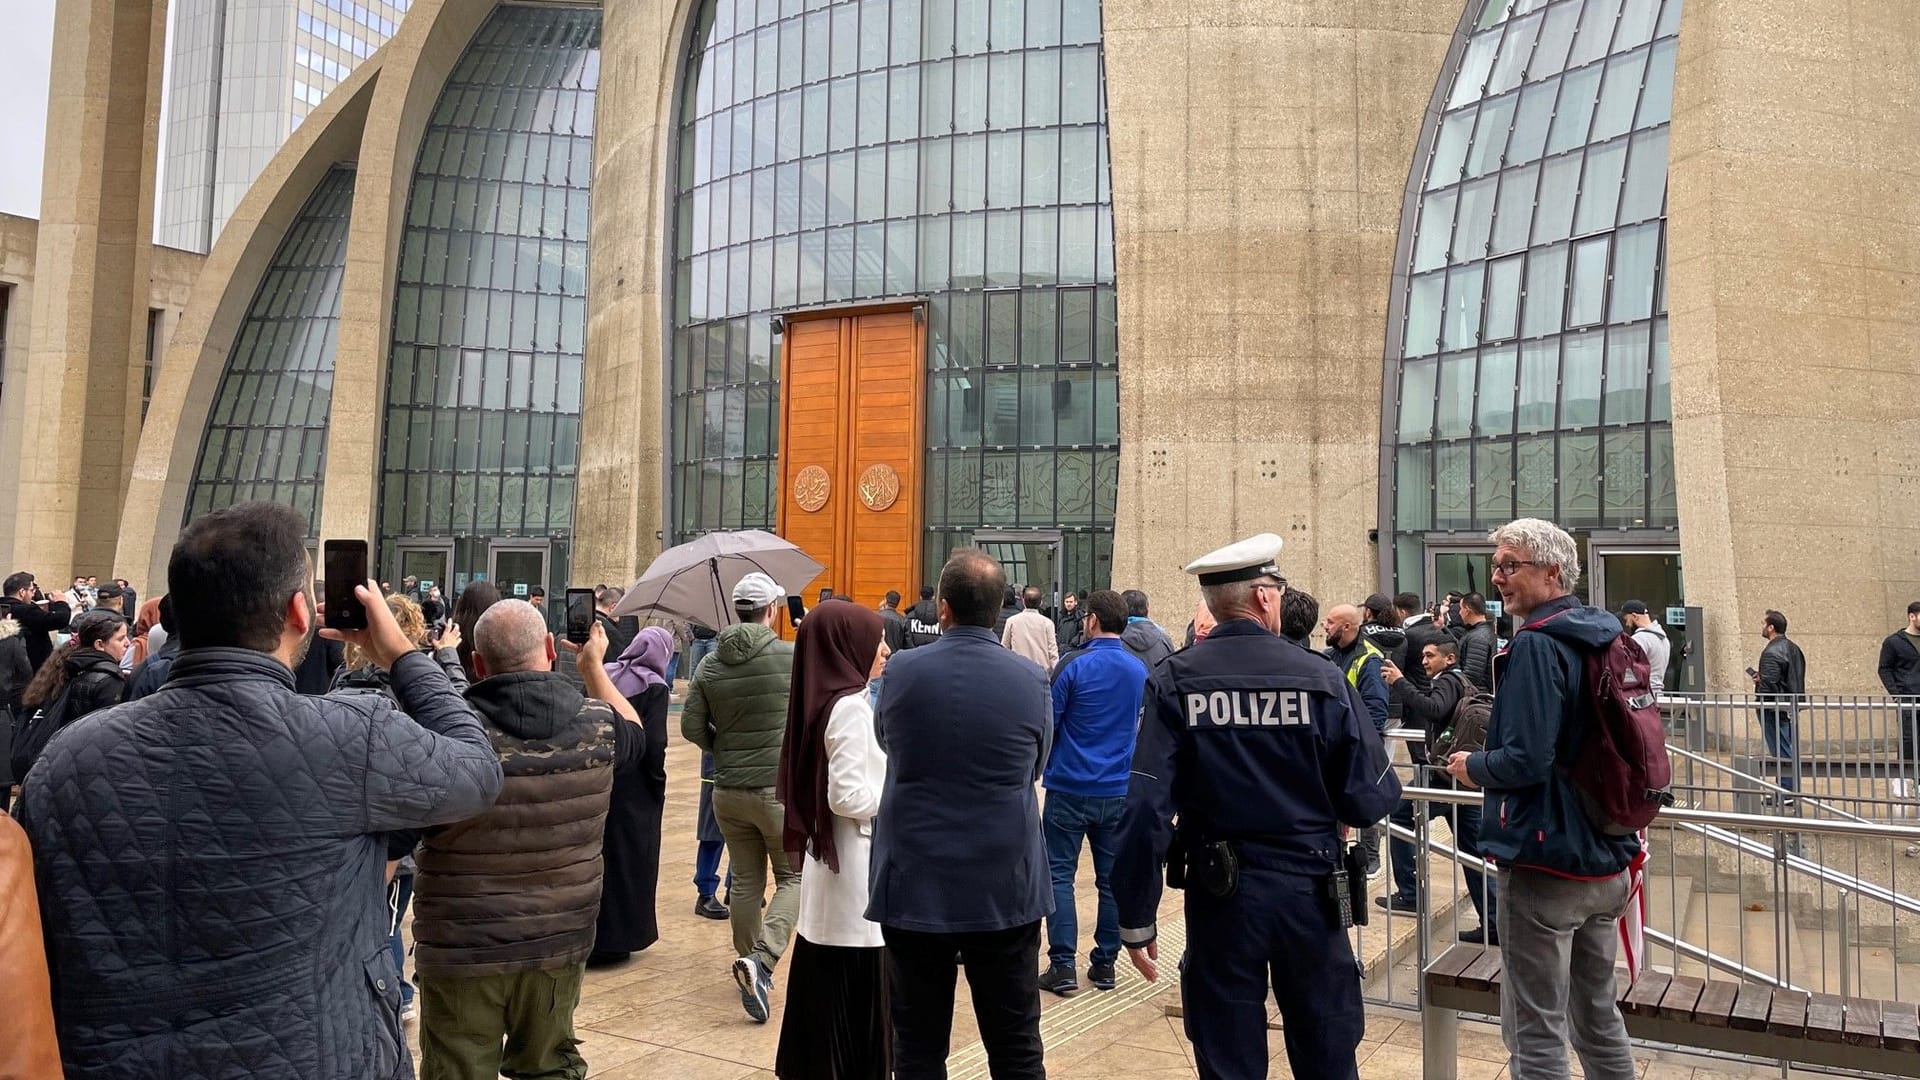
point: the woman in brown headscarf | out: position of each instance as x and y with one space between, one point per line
831 772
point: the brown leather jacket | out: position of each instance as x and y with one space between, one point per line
28 1049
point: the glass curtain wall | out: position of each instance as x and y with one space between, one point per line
1530 376
490 311
266 438
835 153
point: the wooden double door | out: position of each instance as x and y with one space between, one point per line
852 448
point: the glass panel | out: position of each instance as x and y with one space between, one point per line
1532 122
1413 488
1659 390
1450 148
1503 298
1559 183
1535 475
1626 393
1453 487
1619 93
1539 383
1580 381
1580 480
1417 384
1579 92
1556 35
1645 191
1424 301
1453 416
1475 220
1587 295
1461 327
1546 289
1490 135
1635 254
1471 82
1435 230
1514 51
1492 483
1513 214
1596 31
1497 380
1656 100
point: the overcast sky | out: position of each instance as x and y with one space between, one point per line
26 52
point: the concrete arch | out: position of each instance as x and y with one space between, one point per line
196 356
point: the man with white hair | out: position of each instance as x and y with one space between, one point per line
499 981
1563 881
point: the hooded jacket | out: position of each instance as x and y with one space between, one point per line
1653 641
737 706
539 842
94 682
1146 641
1534 818
1477 646
923 623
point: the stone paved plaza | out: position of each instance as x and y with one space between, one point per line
672 1013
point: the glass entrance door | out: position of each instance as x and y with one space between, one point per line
1030 558
429 562
1461 570
517 568
1653 577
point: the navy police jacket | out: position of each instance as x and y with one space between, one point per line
1249 737
1533 817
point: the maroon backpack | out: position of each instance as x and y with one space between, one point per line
1621 773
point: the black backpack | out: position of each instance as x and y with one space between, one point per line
1466 729
32 733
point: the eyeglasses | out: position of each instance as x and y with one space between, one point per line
1508 568
1277 586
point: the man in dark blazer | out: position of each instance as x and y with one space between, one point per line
959 875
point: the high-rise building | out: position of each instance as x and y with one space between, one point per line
244 74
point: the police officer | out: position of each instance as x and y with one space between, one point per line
1257 747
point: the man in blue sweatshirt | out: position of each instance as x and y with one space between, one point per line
1096 715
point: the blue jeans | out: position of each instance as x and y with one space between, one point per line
400 893
1067 820
698 651
706 867
1776 727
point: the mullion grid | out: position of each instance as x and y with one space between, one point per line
1605 328
522 54
263 369
708 124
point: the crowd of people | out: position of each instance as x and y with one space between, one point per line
229 812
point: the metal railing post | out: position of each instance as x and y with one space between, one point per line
1846 945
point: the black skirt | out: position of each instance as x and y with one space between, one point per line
836 1025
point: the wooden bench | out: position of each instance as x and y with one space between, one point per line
1863 1035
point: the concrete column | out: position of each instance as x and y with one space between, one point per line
620 504
91 286
1260 156
1794 289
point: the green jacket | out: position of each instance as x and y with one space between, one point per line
737 706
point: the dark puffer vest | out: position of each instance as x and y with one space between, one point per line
517 888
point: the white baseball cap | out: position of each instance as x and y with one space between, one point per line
757 590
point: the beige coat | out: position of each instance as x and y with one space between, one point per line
1033 636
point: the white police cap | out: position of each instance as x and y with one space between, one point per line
1245 560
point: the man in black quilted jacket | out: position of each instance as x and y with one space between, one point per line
210 858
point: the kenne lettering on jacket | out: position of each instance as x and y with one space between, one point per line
1249 708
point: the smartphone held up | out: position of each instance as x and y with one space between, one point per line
579 615
346 563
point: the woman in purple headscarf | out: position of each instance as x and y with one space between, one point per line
632 847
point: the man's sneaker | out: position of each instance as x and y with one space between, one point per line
1101 976
708 908
756 988
1374 867
1479 936
1059 979
1396 902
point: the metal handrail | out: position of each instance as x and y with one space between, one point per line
1804 800
1871 830
1677 945
1804 865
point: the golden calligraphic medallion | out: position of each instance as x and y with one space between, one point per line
879 487
810 488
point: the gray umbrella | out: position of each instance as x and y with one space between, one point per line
694 581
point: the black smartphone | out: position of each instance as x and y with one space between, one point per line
796 609
1753 673
346 568
579 615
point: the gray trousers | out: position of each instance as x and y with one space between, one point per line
1558 940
